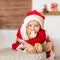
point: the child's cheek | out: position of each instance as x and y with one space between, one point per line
37 30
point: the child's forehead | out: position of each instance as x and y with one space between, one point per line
33 21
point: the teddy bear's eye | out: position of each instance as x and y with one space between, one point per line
30 33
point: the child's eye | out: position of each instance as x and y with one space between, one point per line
36 25
29 25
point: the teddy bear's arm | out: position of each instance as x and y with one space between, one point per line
47 47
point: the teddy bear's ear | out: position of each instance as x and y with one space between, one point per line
28 30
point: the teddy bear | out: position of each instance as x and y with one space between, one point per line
47 46
33 34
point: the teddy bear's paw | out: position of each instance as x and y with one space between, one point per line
38 47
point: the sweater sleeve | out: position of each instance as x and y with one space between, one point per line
41 37
16 44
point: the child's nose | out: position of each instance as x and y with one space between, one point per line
32 28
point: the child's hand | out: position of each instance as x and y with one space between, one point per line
31 50
29 47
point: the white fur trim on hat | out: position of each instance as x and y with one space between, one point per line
26 21
34 17
23 32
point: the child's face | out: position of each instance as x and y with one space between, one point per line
34 26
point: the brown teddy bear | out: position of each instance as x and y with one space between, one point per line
39 47
33 34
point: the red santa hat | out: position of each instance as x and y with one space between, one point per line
32 15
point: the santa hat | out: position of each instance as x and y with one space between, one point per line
32 15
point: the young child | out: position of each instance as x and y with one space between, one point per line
35 22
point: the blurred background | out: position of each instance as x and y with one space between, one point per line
13 12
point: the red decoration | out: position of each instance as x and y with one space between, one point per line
54 6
